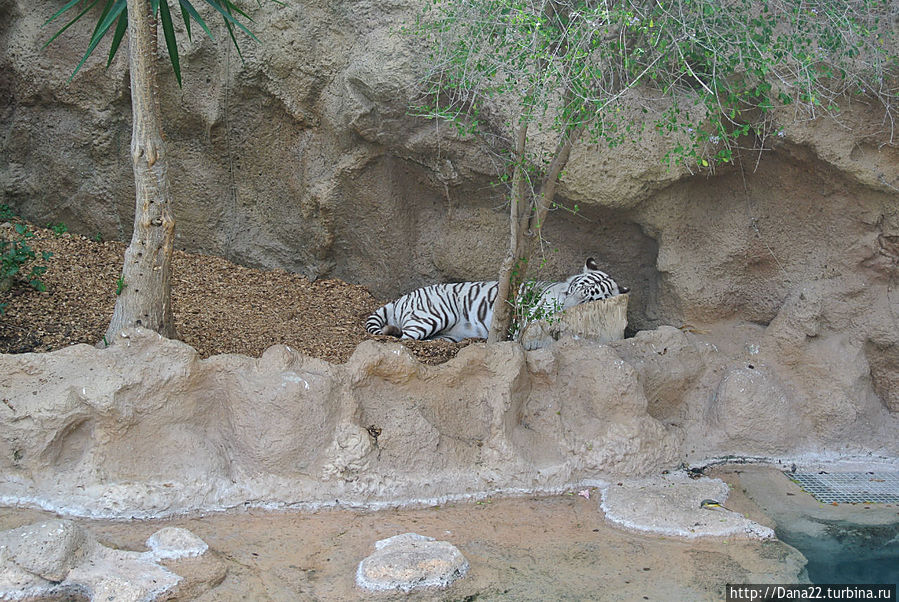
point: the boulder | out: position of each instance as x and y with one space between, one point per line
172 543
410 562
47 549
59 558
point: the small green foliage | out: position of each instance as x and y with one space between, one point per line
722 69
532 304
119 285
533 300
58 229
98 237
18 259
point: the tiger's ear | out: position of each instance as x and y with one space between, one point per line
590 264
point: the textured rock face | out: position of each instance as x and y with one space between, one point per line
303 156
146 428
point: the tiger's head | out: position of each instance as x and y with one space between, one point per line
591 285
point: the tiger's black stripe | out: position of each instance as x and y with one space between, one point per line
465 309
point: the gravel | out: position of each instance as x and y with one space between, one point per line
219 306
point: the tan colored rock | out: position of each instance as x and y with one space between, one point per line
169 432
59 558
752 409
626 175
145 428
173 543
49 549
670 364
599 322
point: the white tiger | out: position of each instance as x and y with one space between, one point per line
463 310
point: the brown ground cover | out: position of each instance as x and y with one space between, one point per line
219 306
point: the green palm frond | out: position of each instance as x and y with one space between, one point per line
115 12
112 11
120 30
71 4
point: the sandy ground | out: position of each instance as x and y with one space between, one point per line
549 548
218 306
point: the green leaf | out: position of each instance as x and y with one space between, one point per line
168 31
64 9
120 30
70 23
187 7
110 13
186 18
224 7
233 7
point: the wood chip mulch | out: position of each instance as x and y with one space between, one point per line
219 306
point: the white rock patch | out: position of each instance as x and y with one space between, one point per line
173 543
670 505
411 561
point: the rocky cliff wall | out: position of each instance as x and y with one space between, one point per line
303 157
146 428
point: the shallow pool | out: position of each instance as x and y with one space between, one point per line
847 552
853 543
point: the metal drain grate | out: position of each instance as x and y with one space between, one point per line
850 487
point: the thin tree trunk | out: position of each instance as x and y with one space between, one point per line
526 222
518 219
145 297
550 183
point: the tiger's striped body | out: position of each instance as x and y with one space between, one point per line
464 310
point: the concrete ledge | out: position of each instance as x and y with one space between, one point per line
670 505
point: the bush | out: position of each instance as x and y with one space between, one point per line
17 258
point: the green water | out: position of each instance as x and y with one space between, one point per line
846 552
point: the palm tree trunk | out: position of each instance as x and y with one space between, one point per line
145 297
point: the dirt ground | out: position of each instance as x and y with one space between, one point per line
543 548
219 307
